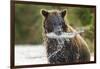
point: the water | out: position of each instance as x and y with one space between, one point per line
59 46
36 54
64 36
60 40
32 54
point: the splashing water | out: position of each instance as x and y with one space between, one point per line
65 36
59 46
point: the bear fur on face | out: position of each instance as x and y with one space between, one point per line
54 20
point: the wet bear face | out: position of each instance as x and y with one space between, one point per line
54 21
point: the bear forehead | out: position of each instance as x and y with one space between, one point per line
54 17
54 13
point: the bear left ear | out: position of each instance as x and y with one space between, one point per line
63 13
44 13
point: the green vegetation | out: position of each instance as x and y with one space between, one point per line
28 22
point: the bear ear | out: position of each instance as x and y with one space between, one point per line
63 13
44 13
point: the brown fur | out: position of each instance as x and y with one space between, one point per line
82 45
77 44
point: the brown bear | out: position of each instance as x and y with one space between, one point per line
60 49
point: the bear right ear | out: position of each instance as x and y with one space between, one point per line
44 13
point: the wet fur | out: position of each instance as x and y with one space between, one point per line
75 51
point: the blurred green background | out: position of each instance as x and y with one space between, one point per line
28 22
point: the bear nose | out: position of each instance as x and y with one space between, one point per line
57 30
